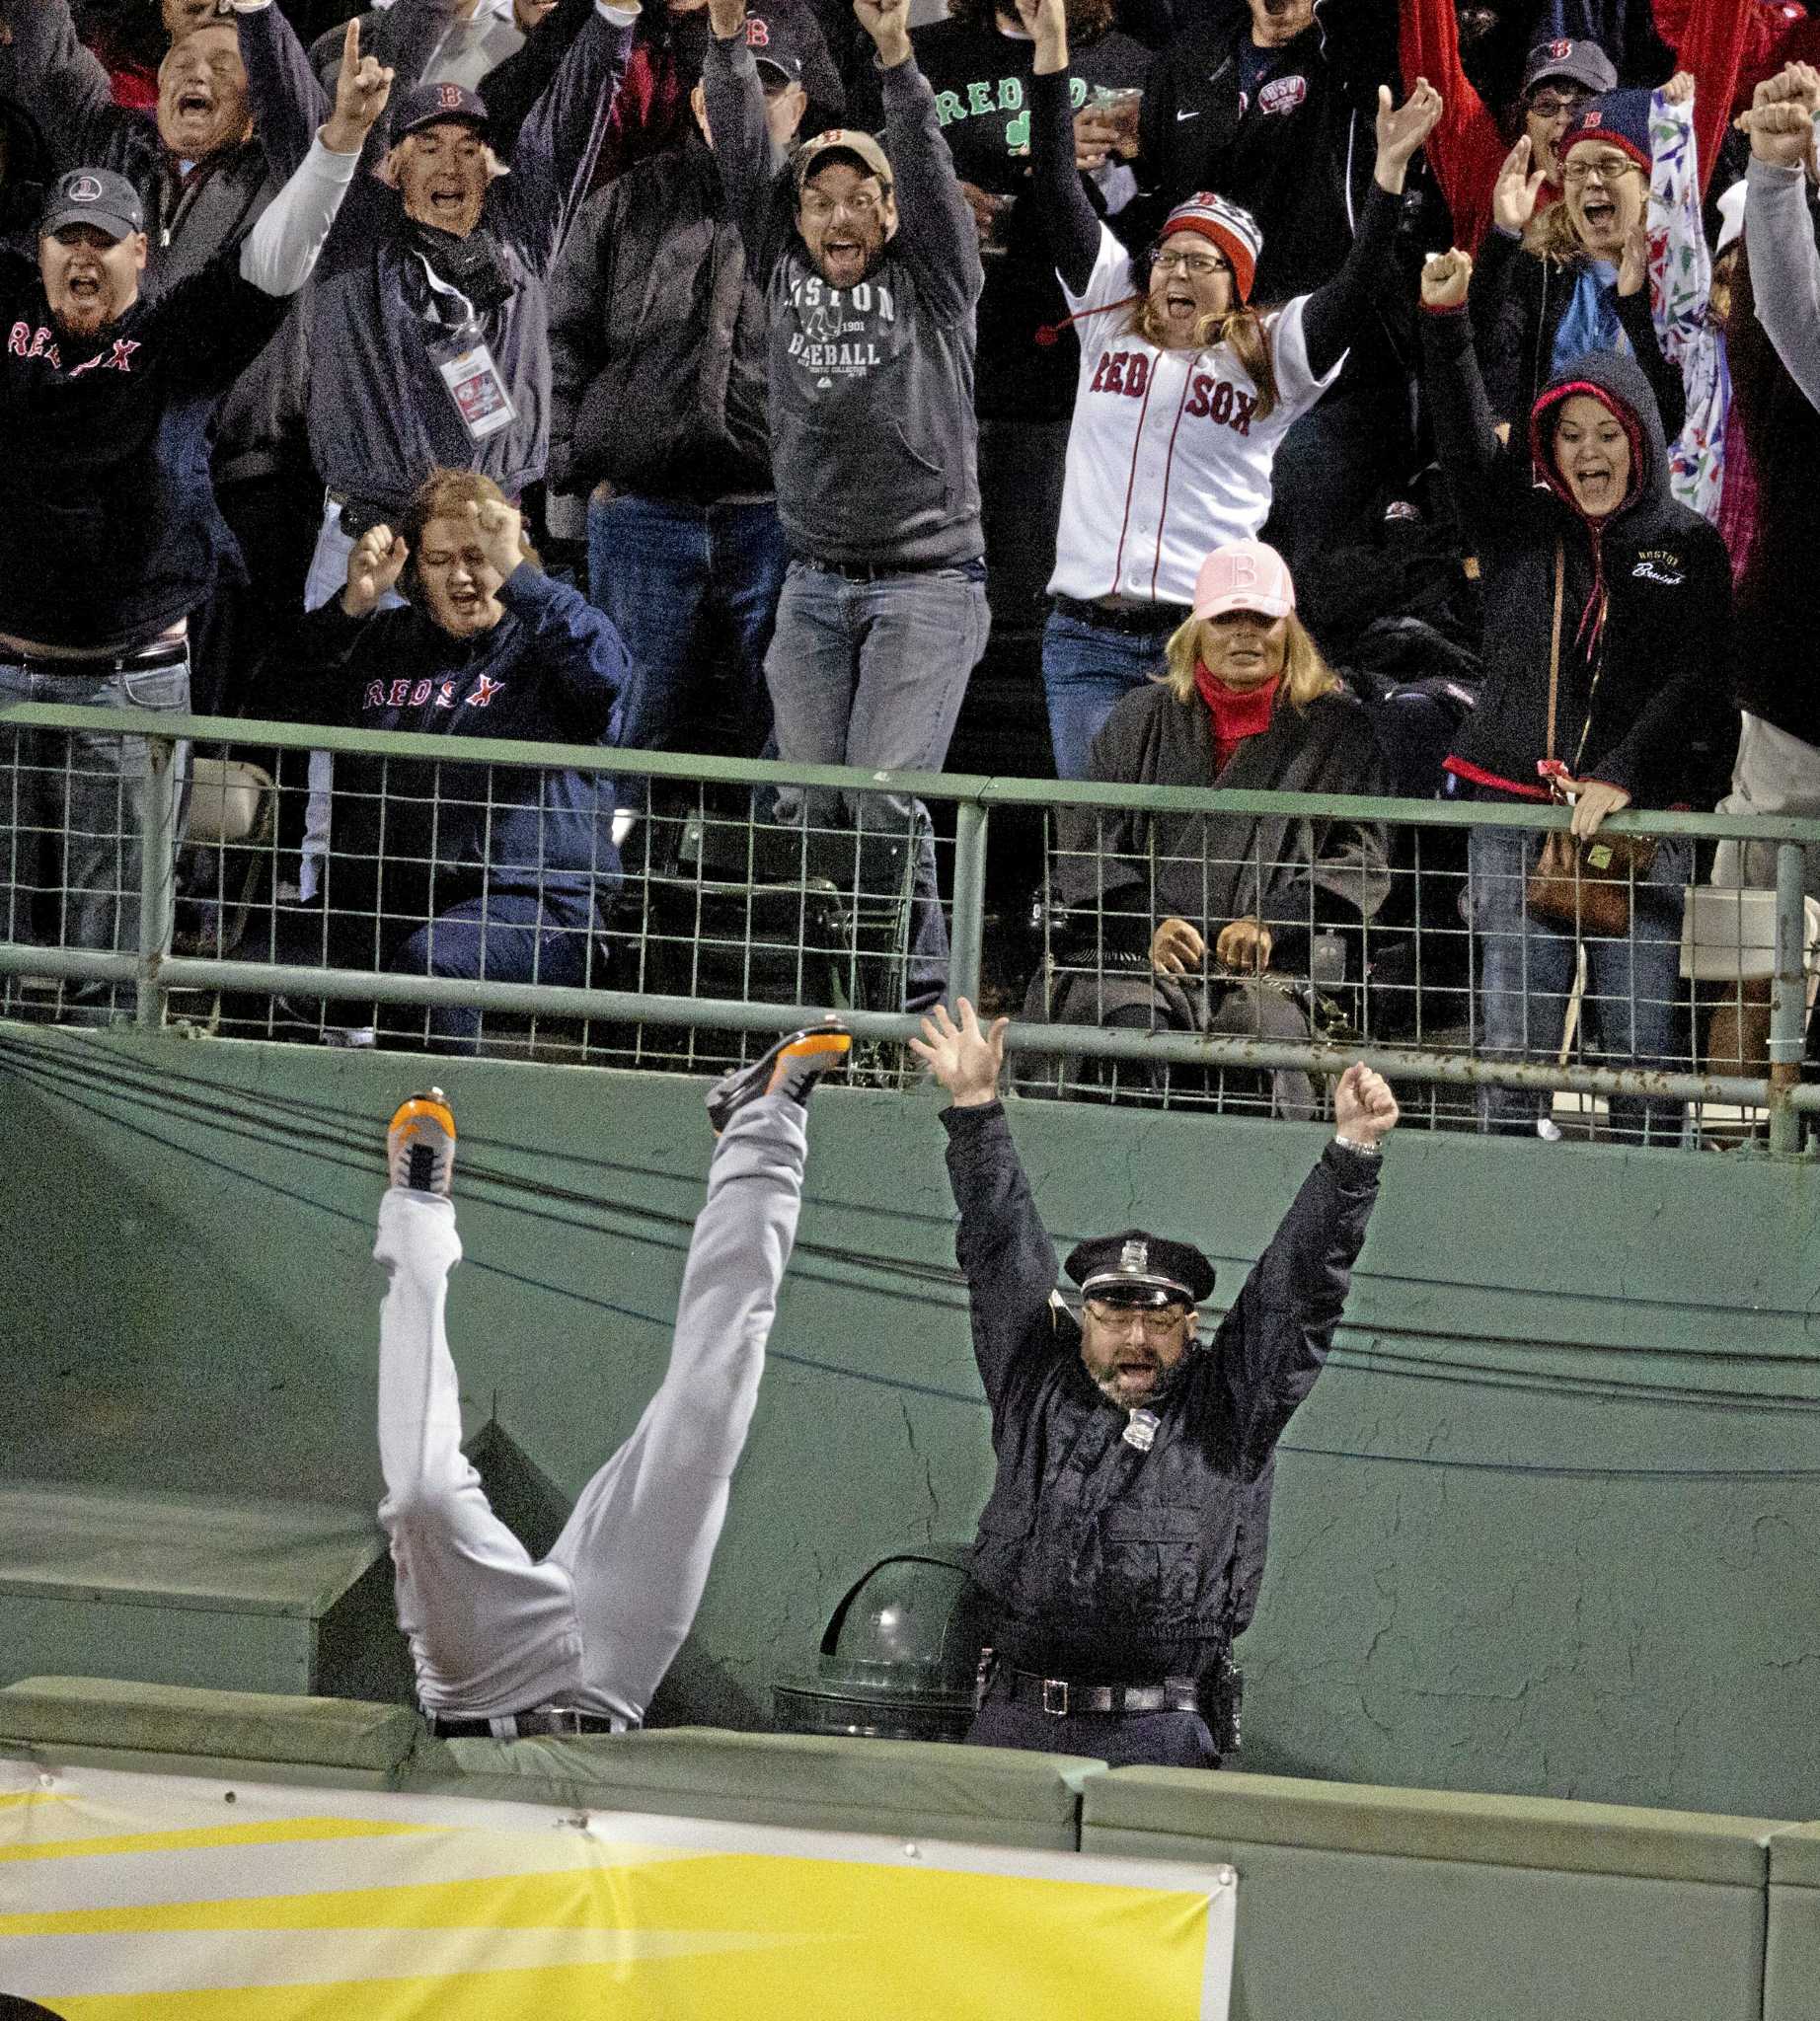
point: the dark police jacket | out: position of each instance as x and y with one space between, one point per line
1103 1562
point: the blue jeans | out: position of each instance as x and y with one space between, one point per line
502 937
1086 670
1522 975
871 673
657 566
72 808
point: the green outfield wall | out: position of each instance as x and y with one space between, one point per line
1550 1526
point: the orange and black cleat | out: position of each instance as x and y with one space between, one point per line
791 1066
421 1144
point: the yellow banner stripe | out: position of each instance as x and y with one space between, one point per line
280 1832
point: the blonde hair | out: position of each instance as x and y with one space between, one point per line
1553 235
1306 675
1240 330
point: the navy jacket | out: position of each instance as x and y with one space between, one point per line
1101 1562
114 534
379 414
548 672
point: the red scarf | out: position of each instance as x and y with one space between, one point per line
1237 714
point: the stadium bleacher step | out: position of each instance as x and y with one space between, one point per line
184 1589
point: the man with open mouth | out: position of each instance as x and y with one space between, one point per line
428 328
107 400
197 163
868 259
1123 1543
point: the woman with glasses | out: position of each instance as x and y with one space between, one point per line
1184 395
1555 284
1467 147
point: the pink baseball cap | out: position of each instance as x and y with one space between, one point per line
1244 576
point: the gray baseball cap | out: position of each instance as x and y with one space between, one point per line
93 196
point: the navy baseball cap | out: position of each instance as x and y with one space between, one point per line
93 196
1137 1268
428 104
772 50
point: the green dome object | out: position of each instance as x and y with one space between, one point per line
898 1656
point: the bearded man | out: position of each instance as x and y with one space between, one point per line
106 404
1123 1543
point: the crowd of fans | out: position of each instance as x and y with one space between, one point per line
1332 394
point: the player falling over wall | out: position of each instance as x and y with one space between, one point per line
577 1641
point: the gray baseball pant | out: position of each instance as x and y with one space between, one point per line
595 1625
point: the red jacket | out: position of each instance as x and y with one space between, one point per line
1729 45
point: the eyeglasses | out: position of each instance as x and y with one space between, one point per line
1551 105
1607 167
1155 1322
1200 265
857 204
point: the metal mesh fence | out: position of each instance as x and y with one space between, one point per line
1158 948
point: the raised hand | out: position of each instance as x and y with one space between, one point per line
1045 23
1175 947
1514 193
1634 260
1781 119
1365 1110
500 530
373 569
965 1060
1446 278
888 21
727 20
361 87
1679 89
1401 129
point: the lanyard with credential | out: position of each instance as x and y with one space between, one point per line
466 363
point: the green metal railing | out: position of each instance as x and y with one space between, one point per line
155 970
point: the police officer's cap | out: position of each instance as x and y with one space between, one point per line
1137 1268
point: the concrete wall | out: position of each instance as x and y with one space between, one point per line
1548 1525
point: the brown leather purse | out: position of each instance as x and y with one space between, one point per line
1585 885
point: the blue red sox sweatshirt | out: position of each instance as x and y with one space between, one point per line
551 671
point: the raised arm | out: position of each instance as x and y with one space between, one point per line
749 161
1467 131
1276 1338
288 103
1070 226
577 648
1336 309
1482 474
280 251
1004 1252
46 66
936 236
554 158
1784 263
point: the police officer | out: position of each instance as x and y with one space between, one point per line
1123 1540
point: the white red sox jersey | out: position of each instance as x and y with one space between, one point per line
1168 456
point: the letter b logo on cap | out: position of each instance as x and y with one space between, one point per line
83 189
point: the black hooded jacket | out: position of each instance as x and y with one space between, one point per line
1646 603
